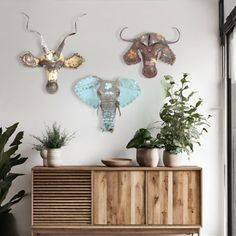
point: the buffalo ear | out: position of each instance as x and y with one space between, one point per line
167 55
131 56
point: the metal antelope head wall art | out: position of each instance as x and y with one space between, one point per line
51 60
151 47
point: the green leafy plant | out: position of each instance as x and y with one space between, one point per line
53 138
182 124
9 159
143 139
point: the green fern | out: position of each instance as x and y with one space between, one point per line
54 137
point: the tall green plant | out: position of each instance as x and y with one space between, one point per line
182 124
9 159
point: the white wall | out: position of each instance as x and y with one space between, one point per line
23 97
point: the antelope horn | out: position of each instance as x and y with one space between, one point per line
170 42
43 43
62 44
126 40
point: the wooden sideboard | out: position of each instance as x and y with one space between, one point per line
96 199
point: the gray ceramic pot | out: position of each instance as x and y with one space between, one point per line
147 157
171 159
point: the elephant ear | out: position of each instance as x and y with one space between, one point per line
129 91
167 55
86 90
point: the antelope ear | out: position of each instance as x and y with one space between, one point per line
167 55
129 91
74 61
86 90
28 59
131 56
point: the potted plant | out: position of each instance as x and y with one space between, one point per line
9 159
182 124
147 148
52 141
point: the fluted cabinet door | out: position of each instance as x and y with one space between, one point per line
119 197
174 197
61 197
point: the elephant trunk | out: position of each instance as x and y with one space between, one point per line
108 115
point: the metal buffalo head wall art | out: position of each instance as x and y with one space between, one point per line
51 60
152 47
107 95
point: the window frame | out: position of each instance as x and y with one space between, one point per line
226 29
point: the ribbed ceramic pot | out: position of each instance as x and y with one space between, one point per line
147 157
171 159
54 157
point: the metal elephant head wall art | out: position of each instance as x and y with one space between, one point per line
151 46
51 60
107 95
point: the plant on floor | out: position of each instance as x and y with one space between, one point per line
182 124
8 159
53 138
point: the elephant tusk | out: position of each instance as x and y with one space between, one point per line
118 108
98 109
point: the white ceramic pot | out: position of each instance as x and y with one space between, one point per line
54 157
147 157
43 154
171 159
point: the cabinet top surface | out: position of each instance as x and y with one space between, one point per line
124 168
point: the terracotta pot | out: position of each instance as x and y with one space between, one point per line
54 157
147 157
171 159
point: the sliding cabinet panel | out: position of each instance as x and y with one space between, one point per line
160 197
174 197
119 197
61 197
187 197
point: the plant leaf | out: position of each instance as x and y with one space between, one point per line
18 138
